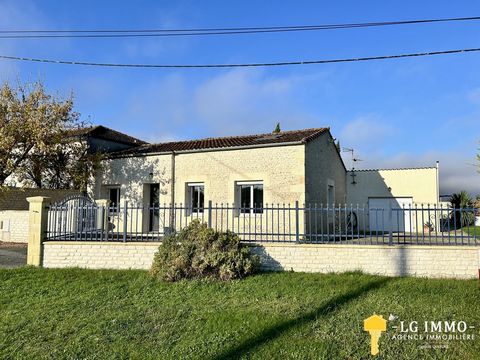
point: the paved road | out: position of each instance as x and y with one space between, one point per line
12 257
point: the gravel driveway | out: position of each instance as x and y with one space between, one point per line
12 255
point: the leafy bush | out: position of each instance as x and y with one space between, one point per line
198 251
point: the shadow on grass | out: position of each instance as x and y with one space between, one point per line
326 309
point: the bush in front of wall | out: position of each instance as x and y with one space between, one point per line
198 251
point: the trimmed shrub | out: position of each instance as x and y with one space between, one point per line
198 251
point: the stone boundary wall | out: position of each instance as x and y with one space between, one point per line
413 260
99 255
14 226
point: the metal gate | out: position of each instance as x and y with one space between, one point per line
75 213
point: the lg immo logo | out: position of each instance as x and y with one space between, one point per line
375 325
433 333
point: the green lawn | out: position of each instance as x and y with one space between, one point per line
473 230
125 314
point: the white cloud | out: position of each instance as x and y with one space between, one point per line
230 103
241 101
366 133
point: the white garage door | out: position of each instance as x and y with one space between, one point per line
379 214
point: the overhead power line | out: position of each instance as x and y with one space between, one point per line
120 33
237 65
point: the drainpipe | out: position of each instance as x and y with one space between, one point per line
172 190
438 183
437 223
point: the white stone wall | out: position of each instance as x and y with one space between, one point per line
280 168
99 255
14 226
425 261
412 260
323 167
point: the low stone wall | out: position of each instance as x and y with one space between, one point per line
99 255
14 226
427 261
413 260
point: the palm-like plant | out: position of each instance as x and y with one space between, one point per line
463 213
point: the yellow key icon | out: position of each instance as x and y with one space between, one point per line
375 324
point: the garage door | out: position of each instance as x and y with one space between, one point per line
379 214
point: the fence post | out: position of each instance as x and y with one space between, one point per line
209 213
102 216
37 228
297 222
390 225
125 215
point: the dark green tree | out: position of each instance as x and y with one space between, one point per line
277 129
463 214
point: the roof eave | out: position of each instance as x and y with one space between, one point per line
242 147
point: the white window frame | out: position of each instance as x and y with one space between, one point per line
190 187
238 192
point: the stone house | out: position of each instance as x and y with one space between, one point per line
255 171
252 172
300 165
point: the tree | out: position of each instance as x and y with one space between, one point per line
463 214
461 200
36 146
277 129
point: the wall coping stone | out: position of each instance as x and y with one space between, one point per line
110 243
361 246
276 244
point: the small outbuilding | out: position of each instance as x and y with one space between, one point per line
14 210
382 189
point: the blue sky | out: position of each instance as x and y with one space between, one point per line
399 113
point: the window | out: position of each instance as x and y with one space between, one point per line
250 196
114 197
196 197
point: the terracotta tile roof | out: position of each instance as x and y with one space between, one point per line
16 198
283 137
105 133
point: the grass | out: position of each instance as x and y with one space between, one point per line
73 313
473 231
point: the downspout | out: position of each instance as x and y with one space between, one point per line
172 192
438 183
437 166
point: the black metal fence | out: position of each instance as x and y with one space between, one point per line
312 223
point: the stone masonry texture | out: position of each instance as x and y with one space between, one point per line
422 261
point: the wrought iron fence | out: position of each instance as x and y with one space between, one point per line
312 223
